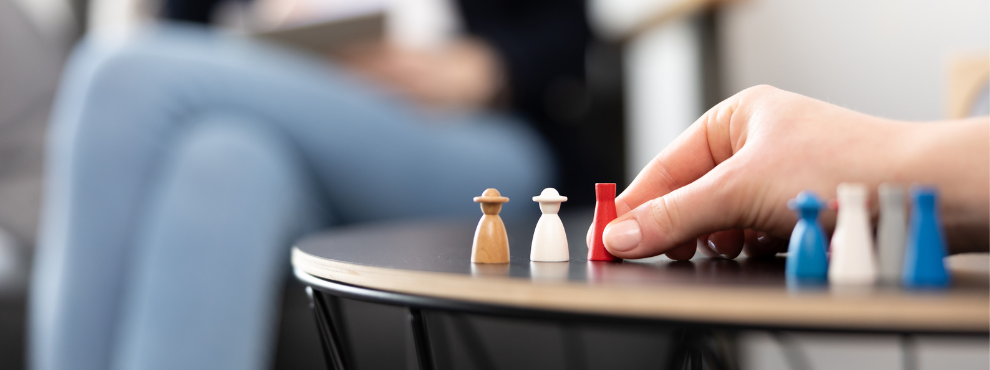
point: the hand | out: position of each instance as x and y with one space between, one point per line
463 74
724 182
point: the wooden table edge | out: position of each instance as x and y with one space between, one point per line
732 305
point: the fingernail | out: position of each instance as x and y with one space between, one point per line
706 247
622 236
763 238
712 246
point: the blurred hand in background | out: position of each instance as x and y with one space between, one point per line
464 74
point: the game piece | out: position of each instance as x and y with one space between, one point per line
491 244
549 238
604 213
806 256
923 258
852 260
891 231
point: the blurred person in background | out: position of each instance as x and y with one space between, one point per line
183 162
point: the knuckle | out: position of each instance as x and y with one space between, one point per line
723 190
718 127
720 121
758 90
732 190
662 179
664 215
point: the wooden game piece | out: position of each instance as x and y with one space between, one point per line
491 244
549 238
852 260
891 231
924 266
806 256
604 213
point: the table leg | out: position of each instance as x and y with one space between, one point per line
793 355
421 338
573 347
909 351
327 326
696 347
479 355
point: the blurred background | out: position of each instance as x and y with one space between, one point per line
652 67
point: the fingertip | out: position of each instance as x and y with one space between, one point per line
705 247
621 207
590 237
623 237
759 244
683 252
728 243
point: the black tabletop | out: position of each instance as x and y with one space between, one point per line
445 246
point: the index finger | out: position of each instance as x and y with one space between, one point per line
705 144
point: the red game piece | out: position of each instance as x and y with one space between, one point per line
604 213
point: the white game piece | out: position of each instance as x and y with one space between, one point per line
891 231
852 260
549 238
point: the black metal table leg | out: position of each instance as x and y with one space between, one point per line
695 348
421 338
573 347
909 351
795 357
330 336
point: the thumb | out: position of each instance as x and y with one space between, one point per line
709 204
683 192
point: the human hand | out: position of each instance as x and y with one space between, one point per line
463 74
722 186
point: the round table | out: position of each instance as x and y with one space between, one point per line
426 265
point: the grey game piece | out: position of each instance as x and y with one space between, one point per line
891 231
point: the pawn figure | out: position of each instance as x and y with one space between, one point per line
923 259
549 239
491 244
604 213
852 260
891 231
806 259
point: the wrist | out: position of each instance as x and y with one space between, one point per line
953 156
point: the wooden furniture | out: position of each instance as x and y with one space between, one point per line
426 265
968 77
672 10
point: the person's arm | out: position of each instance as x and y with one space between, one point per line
728 177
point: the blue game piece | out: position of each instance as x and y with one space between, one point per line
925 250
806 259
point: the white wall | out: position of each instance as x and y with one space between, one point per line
883 57
663 89
662 71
